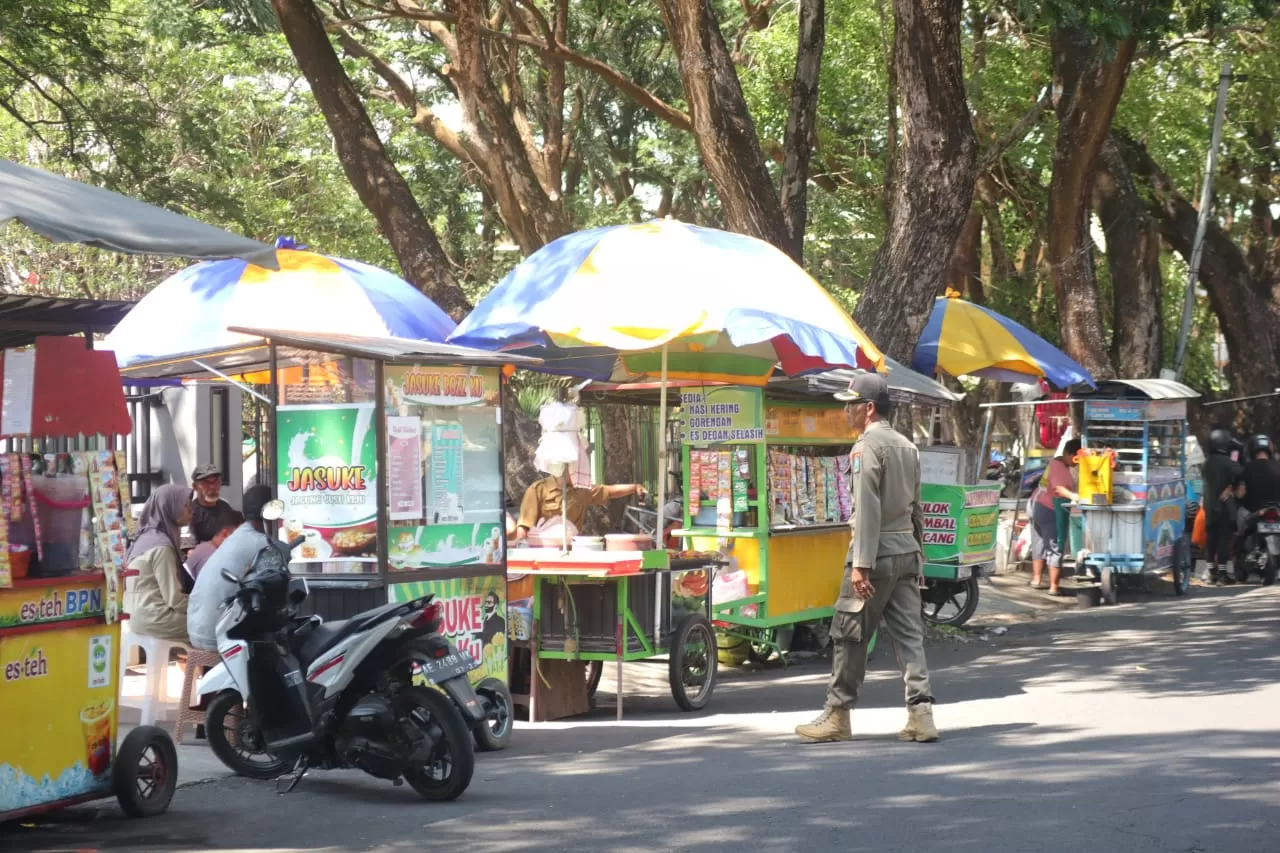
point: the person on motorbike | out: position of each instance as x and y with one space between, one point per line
1221 476
1257 487
236 555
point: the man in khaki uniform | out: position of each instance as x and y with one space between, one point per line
542 502
882 571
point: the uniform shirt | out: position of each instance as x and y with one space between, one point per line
542 500
1261 480
887 517
206 521
1219 472
236 556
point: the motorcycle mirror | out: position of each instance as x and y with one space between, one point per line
273 510
230 578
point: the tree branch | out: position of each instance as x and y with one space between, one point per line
1016 133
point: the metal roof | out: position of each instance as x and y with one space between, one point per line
24 318
254 355
1151 389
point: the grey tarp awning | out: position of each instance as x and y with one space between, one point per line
905 385
68 211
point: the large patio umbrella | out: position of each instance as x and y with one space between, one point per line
68 211
668 300
194 310
964 339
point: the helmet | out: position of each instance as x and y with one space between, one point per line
269 576
1259 444
1220 441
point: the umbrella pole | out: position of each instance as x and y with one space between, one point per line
982 454
659 540
564 510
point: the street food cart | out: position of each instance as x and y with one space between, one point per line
387 454
619 606
766 475
1139 527
65 526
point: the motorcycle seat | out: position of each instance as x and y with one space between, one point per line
329 634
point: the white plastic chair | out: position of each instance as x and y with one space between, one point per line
155 694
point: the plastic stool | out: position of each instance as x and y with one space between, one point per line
197 659
156 692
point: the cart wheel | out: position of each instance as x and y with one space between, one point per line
1110 586
1182 567
494 733
949 602
763 651
145 774
595 669
693 664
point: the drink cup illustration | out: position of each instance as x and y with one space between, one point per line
95 720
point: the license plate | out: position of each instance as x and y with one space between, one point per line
1269 527
450 666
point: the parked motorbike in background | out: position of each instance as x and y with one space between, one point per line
294 693
1259 552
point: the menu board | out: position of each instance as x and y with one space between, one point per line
404 468
18 395
445 476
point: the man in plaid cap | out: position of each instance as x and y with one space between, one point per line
882 570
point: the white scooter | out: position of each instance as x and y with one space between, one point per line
297 693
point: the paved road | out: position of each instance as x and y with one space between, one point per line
1152 726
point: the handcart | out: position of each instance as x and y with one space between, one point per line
621 606
1139 528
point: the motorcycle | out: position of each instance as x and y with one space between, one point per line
382 692
1260 548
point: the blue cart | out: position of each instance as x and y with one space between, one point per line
1143 531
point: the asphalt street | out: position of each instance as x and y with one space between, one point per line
1151 726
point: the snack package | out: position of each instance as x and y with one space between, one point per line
126 495
695 482
25 462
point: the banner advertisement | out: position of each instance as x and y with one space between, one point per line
444 546
418 385
328 480
725 415
59 740
804 424
24 608
960 523
475 618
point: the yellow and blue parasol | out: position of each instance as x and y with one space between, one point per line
964 339
191 311
607 303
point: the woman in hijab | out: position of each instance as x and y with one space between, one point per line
160 605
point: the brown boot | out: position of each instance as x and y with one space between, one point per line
920 727
830 726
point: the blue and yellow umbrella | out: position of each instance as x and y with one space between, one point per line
607 303
191 311
964 339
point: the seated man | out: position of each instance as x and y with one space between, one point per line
229 521
236 556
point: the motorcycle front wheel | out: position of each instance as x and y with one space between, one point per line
448 773
237 741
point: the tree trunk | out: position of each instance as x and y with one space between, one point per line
1089 77
1133 256
965 273
933 176
1242 304
801 136
722 124
380 186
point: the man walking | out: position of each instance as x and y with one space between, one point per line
882 571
